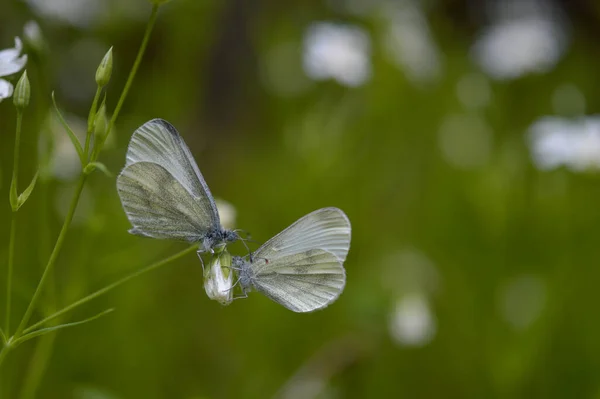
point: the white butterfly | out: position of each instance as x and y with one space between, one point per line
301 268
163 192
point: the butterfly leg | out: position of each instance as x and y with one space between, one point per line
244 295
199 253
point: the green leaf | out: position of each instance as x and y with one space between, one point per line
14 197
43 331
25 194
3 335
72 135
90 167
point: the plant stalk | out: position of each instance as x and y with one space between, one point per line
57 247
134 69
13 224
109 287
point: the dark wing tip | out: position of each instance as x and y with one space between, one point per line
163 123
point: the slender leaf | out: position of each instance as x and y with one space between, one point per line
13 196
69 131
97 165
43 331
25 194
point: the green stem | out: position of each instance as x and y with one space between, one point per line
82 178
4 352
109 287
57 247
90 128
13 224
37 366
134 69
13 183
11 261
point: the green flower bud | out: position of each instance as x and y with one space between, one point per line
22 92
101 122
104 69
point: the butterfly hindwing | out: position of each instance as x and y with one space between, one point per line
158 206
302 282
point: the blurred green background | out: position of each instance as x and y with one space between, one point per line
459 136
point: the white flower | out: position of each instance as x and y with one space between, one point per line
218 278
227 213
574 143
11 62
336 51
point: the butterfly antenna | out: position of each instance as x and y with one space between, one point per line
243 231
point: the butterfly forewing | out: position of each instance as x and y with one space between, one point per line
301 282
326 228
158 206
157 141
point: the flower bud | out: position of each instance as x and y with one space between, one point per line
218 278
22 92
104 69
32 34
100 122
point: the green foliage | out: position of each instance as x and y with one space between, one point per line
498 254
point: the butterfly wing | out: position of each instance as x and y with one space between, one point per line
302 282
159 206
327 228
157 141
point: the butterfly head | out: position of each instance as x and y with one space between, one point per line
244 271
230 236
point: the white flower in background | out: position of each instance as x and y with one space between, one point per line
33 36
80 13
412 322
339 52
227 213
11 62
574 143
409 43
513 48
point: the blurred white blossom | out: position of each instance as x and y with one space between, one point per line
409 42
227 213
527 36
339 52
32 34
574 143
11 62
412 323
80 13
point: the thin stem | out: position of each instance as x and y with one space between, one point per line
90 128
16 153
82 178
134 69
13 224
3 353
37 366
54 255
11 262
109 287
